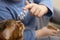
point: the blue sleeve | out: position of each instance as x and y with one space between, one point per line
6 14
29 34
48 4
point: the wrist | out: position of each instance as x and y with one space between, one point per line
39 33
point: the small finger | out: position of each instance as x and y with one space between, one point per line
40 14
33 9
37 12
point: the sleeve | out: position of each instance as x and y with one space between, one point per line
48 4
29 34
5 14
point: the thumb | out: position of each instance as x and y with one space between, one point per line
29 6
26 3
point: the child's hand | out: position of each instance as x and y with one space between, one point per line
45 32
35 9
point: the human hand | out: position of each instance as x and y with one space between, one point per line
45 32
35 9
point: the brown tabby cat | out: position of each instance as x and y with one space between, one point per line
11 30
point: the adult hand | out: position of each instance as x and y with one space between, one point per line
45 32
36 9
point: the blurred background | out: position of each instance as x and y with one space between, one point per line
56 16
56 4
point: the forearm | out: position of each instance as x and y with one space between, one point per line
38 34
